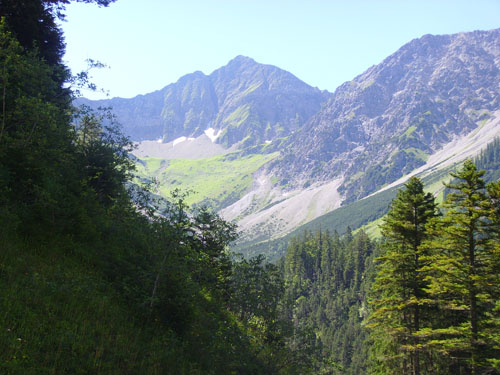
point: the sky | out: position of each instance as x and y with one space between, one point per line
148 44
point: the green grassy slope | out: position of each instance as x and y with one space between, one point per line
217 181
61 316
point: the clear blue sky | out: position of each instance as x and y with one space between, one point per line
151 43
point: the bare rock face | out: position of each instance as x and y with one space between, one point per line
246 103
385 122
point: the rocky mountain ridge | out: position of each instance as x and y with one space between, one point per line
388 120
243 103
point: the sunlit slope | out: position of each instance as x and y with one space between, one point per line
216 181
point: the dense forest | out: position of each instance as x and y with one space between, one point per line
425 299
96 276
327 280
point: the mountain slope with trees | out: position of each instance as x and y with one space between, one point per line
93 281
449 279
433 94
423 300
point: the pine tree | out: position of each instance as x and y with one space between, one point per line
492 329
463 274
399 305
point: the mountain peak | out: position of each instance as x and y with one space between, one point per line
240 59
248 102
238 64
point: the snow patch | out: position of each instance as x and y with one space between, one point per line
181 139
267 142
178 140
210 133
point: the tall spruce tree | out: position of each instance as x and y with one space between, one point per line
463 275
492 330
399 302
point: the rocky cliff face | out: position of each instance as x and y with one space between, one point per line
244 102
388 120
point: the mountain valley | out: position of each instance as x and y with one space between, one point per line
242 221
270 152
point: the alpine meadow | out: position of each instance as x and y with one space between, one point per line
245 222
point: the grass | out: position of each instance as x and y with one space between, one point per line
409 131
238 116
252 88
419 154
152 166
60 316
372 229
218 181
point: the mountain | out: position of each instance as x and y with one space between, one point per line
273 154
390 119
428 106
243 103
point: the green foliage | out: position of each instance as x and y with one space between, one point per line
400 304
489 160
35 139
216 181
417 153
95 282
463 273
421 313
327 280
34 26
61 315
257 299
434 305
353 215
104 153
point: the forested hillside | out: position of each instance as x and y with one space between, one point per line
91 281
424 300
489 160
327 284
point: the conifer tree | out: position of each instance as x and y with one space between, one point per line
463 275
399 305
492 331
